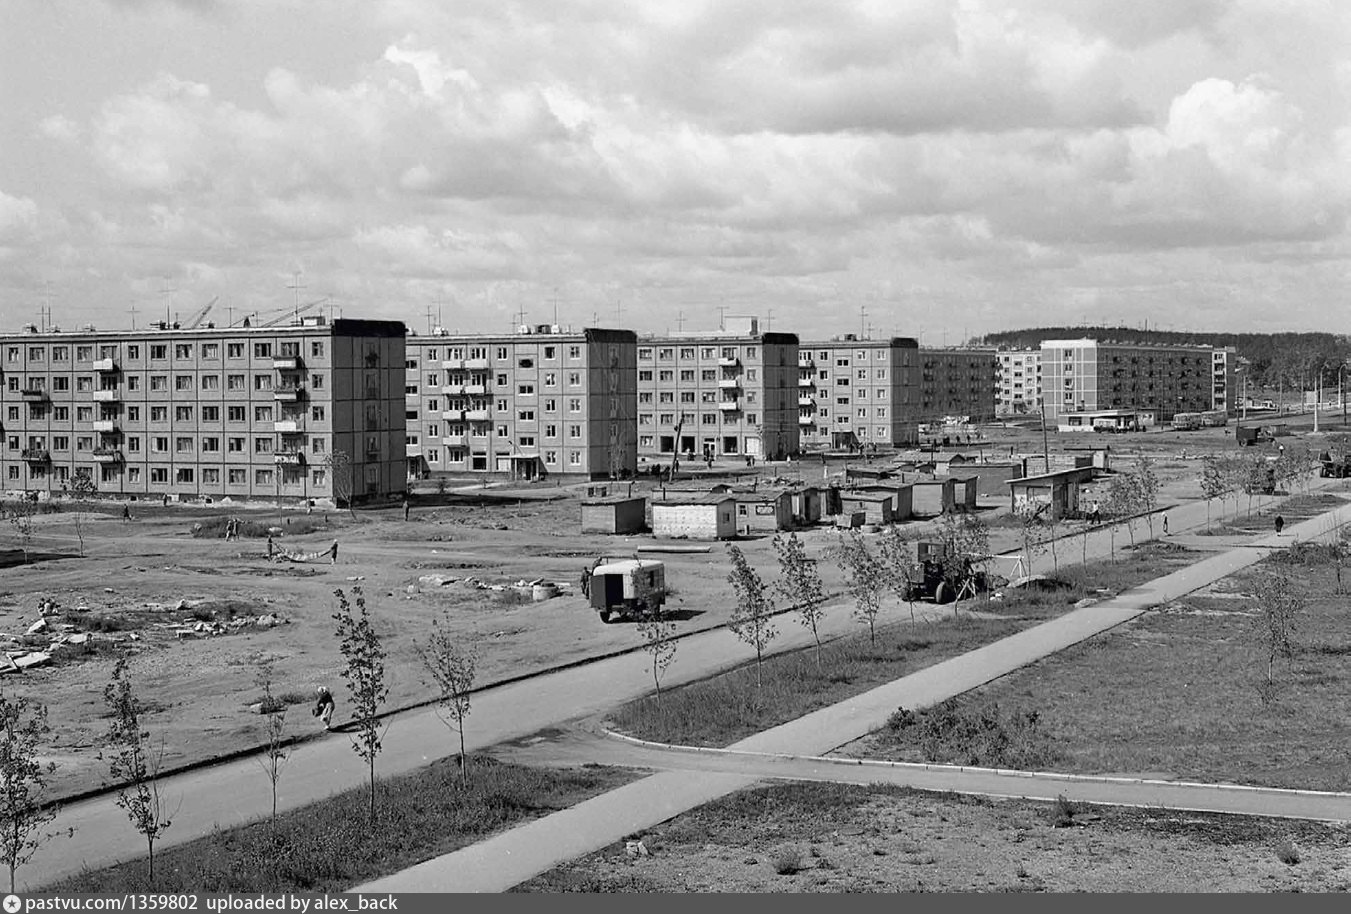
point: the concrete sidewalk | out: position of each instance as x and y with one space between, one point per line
521 853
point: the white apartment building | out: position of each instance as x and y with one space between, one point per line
732 392
854 392
1018 383
246 413
545 400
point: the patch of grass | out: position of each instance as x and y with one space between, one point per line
330 846
988 737
1287 853
1062 812
788 861
256 528
101 622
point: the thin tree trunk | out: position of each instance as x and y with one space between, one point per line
372 788
150 859
464 770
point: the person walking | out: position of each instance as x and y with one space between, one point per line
271 548
333 553
405 509
126 513
1165 525
324 706
1280 524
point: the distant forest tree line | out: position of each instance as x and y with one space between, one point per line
1289 359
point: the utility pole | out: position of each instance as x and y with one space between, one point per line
1045 443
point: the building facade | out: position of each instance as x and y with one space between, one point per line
957 382
854 392
1086 375
1225 367
730 393
1018 383
309 411
544 400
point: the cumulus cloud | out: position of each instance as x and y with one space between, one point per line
18 215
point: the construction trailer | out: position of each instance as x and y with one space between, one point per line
632 588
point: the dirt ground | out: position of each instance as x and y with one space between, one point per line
839 838
152 574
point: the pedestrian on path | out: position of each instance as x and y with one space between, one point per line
324 705
405 509
1165 525
1280 524
126 513
271 547
333 553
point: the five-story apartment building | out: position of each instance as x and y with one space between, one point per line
303 412
854 392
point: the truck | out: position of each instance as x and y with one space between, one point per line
629 589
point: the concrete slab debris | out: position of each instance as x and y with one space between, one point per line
37 627
32 659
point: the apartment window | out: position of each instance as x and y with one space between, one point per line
183 382
159 444
262 445
234 382
37 353
687 396
708 374
501 404
236 414
525 390
14 414
133 351
574 352
262 382
133 414
645 353
234 351
317 413
211 350
159 475
501 352
60 353
159 414
687 352
524 363
644 418
666 375
183 445
433 380
61 413
317 349
262 477
317 445
501 431
550 379
211 476
317 381
687 374
525 415
211 445
60 443
262 414
182 350
158 352
527 441
262 350
134 444
574 405
551 431
551 405
574 458
752 419
574 431
234 445
644 376
237 477
210 382
61 384
709 419
183 413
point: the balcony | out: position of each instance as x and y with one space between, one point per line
412 450
806 420
34 393
106 426
107 455
289 426
806 401
476 364
109 395
108 364
287 363
453 415
729 384
452 365
728 405
477 415
730 363
809 364
456 438
288 394
476 390
805 382
410 399
36 455
453 390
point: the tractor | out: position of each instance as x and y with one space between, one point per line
1337 469
938 577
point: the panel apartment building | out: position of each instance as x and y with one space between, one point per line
246 413
1018 384
731 393
544 400
1087 375
855 391
957 382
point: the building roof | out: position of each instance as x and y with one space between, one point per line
674 500
1073 474
612 499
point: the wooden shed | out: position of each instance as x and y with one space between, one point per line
703 517
964 492
763 511
621 514
807 504
875 506
1059 489
933 496
991 477
902 498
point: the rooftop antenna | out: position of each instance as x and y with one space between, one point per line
862 319
619 311
769 318
167 290
296 285
555 305
133 309
680 321
47 303
429 320
722 317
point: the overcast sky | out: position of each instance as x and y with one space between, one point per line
951 167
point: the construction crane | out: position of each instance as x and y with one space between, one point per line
193 322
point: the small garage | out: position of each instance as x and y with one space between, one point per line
706 517
1059 490
964 491
766 511
933 496
875 506
615 514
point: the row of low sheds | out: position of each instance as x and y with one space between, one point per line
868 496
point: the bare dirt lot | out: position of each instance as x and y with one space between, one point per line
148 577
